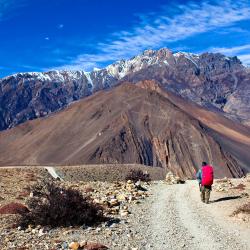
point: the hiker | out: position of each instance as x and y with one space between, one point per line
205 177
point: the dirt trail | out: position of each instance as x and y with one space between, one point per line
174 218
53 173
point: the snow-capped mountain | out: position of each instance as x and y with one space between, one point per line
213 80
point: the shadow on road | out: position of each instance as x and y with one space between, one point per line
227 198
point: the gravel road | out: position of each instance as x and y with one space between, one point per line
174 218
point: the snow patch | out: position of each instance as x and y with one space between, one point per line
88 76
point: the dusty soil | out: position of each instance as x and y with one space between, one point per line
168 217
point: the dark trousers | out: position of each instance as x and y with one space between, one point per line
205 193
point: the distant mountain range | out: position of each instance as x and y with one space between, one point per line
214 81
132 123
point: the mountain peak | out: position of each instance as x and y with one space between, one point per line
160 52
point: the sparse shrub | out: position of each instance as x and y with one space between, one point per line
240 187
54 206
136 175
224 180
243 209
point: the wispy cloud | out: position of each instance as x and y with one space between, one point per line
4 5
60 26
245 59
232 50
7 7
158 29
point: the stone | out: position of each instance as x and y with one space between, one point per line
131 198
83 243
14 208
74 245
97 201
65 245
41 232
114 202
125 208
124 213
121 197
137 202
94 246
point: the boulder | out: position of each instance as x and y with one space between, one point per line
113 202
94 246
14 208
74 245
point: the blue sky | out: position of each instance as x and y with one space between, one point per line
41 35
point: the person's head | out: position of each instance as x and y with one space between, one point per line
204 164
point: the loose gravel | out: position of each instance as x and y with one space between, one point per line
173 219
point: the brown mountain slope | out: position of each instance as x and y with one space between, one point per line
128 124
234 136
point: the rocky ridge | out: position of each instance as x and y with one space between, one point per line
211 80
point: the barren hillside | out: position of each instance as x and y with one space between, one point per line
128 124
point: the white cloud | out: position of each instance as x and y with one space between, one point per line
231 51
60 26
245 59
47 38
156 29
243 52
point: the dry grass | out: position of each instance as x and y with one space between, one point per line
243 209
240 187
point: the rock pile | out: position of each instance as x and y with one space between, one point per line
173 179
119 200
223 185
118 196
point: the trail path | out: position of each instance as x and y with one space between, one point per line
53 173
174 218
